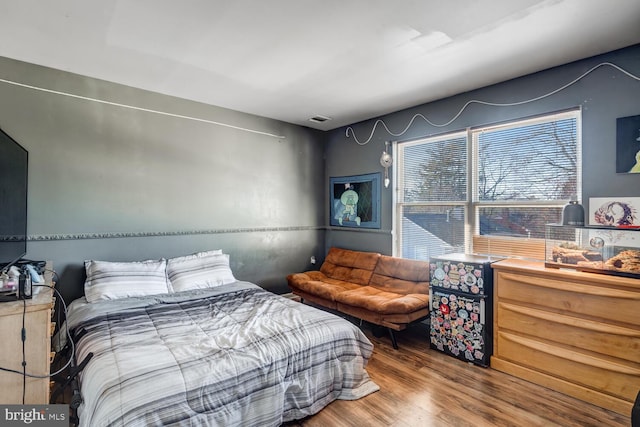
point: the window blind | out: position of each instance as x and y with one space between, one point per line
488 188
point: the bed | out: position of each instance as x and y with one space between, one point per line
221 353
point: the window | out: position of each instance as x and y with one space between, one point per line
487 190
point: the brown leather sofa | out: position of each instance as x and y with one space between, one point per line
383 290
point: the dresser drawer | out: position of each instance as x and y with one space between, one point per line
611 340
566 297
604 375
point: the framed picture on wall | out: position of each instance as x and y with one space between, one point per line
628 144
355 201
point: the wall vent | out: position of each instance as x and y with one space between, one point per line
319 119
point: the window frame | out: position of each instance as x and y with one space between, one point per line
474 242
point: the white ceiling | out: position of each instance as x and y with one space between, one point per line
349 60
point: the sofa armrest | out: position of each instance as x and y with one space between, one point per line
294 280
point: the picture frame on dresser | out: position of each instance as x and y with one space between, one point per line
614 211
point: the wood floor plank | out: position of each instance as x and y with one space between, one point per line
426 388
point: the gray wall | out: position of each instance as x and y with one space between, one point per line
114 183
603 95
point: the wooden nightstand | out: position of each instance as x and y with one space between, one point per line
37 346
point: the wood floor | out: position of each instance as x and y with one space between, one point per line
423 387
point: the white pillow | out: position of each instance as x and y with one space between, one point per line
202 270
112 280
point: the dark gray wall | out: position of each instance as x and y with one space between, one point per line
604 95
114 183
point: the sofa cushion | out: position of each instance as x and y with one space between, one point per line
383 302
316 283
350 266
400 275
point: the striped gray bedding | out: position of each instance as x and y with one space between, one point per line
235 355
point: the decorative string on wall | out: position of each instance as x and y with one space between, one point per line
351 132
133 107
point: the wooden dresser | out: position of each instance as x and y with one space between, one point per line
38 328
577 333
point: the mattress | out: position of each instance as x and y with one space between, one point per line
230 355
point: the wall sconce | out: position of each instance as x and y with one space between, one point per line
386 161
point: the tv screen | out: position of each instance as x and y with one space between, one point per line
13 200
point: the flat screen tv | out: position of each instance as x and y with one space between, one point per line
14 161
